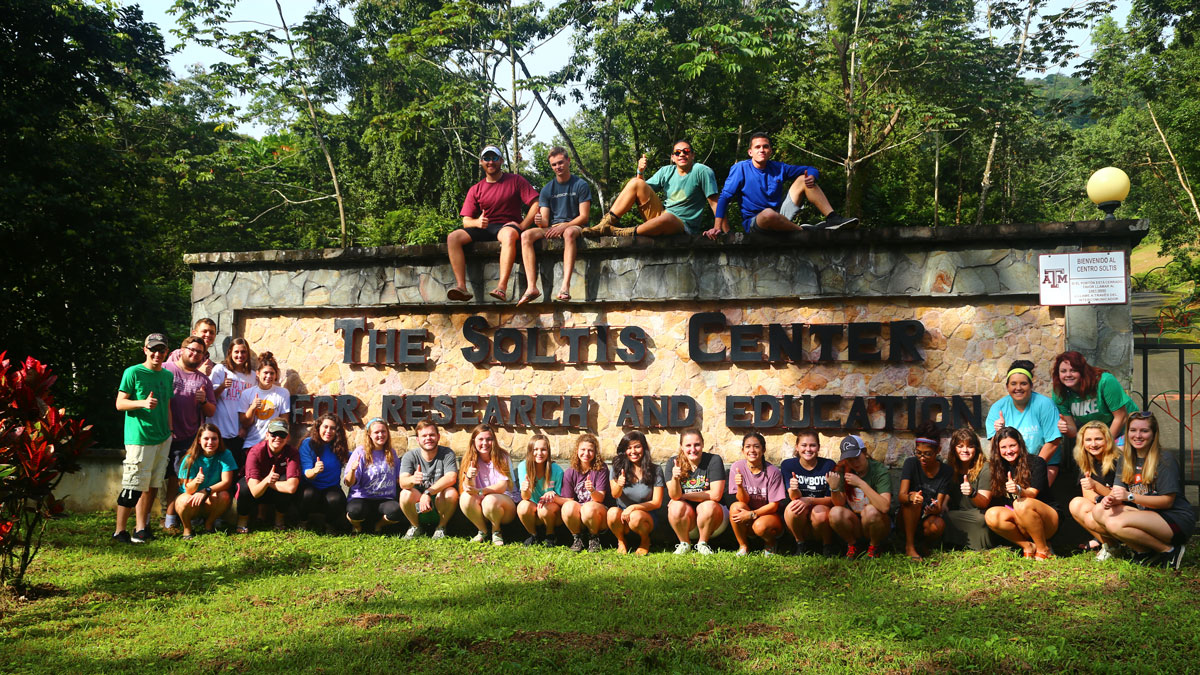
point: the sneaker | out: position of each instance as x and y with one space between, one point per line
123 537
1177 559
576 543
829 550
1160 559
531 541
1105 553
1141 558
439 533
480 537
741 552
412 533
141 536
682 548
497 538
873 552
550 541
834 222
703 548
594 545
851 552
801 548
768 552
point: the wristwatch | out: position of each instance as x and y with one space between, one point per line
1129 498
208 491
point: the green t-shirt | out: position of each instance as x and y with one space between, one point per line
687 195
144 426
1109 397
539 487
877 477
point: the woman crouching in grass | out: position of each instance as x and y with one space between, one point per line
488 487
757 488
925 484
973 494
1146 509
1017 513
696 485
637 484
322 456
541 480
1096 456
372 473
807 514
585 491
206 478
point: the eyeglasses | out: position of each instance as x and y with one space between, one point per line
682 153
193 350
926 453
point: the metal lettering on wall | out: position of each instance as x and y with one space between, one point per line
627 345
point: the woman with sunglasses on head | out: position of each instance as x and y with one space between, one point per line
1030 413
1146 509
229 379
585 495
541 481
1096 456
637 483
757 488
488 491
925 485
1019 484
807 514
972 494
373 475
1084 393
322 455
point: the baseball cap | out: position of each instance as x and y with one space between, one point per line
852 446
155 340
276 425
491 148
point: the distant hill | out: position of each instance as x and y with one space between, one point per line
1064 97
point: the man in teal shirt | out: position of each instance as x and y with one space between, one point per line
691 191
143 395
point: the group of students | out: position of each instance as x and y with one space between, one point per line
224 440
504 207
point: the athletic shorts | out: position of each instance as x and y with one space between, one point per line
145 466
789 209
695 533
489 233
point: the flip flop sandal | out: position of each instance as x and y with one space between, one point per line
529 296
499 294
458 295
563 296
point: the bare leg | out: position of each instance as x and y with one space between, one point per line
572 516
910 514
667 223
768 528
550 517
815 196
642 524
455 241
1003 522
141 512
218 504
445 504
527 514
1038 519
570 247
845 523
616 525
510 243
469 503
820 524
876 524
741 531
772 220
709 517
529 260
593 516
682 518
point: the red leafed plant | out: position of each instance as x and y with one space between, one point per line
38 445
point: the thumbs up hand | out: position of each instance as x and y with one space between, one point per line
621 480
199 475
916 497
318 465
999 422
1085 482
151 401
794 484
483 219
642 164
738 479
1011 486
966 486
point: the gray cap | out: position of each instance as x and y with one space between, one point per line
852 446
276 425
155 340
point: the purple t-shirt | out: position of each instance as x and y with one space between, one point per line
376 480
185 412
762 488
573 484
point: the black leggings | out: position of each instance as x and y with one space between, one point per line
247 504
330 501
369 509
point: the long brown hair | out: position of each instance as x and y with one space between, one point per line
233 367
341 448
596 464
681 459
194 450
1129 455
966 435
499 455
368 445
999 475
1084 459
533 469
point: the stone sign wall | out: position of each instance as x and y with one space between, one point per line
974 291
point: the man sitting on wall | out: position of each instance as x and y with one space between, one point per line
691 191
565 205
491 212
766 207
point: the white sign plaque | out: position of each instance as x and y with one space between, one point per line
1095 278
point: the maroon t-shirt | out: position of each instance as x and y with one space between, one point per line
259 461
505 200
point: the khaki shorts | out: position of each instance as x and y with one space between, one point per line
145 466
653 207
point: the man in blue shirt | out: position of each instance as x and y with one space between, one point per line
768 202
565 205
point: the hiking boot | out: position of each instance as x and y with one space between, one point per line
834 222
623 231
576 543
594 545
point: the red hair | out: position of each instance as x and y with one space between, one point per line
1089 375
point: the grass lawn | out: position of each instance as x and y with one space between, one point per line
295 601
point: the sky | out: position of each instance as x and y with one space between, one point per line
543 59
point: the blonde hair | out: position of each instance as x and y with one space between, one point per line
681 459
1084 459
471 456
1129 455
531 465
368 444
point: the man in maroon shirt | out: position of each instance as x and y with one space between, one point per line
492 211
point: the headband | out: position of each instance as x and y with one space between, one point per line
927 441
1022 371
373 420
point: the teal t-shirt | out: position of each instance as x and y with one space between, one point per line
687 195
144 426
1108 398
539 487
212 466
1038 423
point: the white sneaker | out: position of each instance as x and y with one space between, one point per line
1104 554
439 533
741 552
497 538
703 548
480 538
768 552
413 532
682 548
